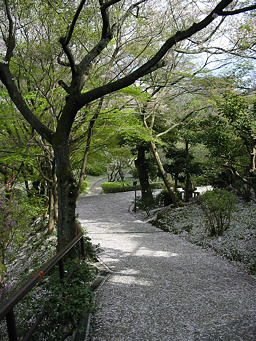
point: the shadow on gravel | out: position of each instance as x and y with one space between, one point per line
162 287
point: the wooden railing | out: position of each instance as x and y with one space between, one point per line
6 309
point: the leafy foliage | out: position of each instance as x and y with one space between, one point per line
63 302
217 206
85 186
115 187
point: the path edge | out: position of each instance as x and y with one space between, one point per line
103 273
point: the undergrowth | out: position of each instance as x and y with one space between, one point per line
62 302
237 243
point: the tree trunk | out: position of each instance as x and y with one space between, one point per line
174 197
88 145
188 187
51 212
188 184
253 156
54 191
142 169
67 193
176 181
2 265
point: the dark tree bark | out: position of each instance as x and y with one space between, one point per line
88 146
51 220
142 169
164 176
188 183
66 185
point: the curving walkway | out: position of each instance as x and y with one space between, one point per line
162 288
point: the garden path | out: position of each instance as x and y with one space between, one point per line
162 288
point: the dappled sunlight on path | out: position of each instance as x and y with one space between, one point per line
162 287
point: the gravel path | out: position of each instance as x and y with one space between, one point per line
162 288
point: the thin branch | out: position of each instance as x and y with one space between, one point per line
65 40
237 11
106 36
72 26
144 69
108 4
45 177
235 172
11 36
129 11
88 144
210 35
181 121
68 53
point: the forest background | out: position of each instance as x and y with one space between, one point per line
158 89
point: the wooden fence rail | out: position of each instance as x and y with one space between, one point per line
6 309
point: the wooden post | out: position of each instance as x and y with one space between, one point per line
135 201
11 325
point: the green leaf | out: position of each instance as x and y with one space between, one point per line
3 267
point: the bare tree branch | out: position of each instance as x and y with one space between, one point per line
181 121
108 4
129 11
144 69
72 26
66 40
11 38
240 10
68 53
106 36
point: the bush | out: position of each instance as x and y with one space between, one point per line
64 303
118 186
84 186
115 187
164 198
157 185
217 206
95 170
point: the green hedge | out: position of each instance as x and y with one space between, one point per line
115 187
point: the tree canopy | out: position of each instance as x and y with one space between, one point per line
59 58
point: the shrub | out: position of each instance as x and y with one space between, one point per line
63 301
118 186
84 186
217 206
157 185
164 198
96 170
115 187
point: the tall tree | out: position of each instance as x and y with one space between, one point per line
77 58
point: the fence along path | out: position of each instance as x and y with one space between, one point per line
162 287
